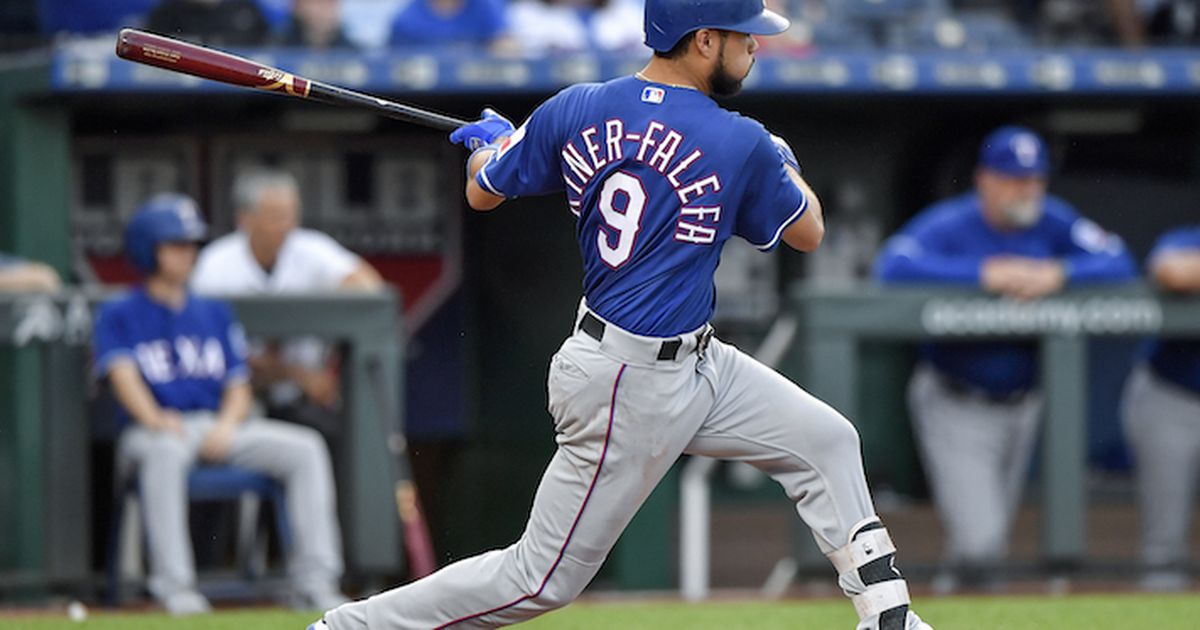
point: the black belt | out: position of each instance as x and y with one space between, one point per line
668 351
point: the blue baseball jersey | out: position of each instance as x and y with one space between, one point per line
660 178
187 357
1177 361
948 242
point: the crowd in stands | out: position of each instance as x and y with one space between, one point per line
537 27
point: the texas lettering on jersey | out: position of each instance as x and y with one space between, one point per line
198 358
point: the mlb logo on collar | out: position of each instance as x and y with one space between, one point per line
651 94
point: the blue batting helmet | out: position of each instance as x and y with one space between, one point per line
667 21
164 218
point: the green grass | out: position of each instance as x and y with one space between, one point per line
1091 612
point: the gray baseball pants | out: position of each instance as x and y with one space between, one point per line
1162 425
292 454
622 418
976 454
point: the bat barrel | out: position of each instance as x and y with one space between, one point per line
177 56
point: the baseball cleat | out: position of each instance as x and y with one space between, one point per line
913 622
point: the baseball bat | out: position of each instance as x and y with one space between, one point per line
208 63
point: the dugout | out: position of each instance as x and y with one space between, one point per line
83 135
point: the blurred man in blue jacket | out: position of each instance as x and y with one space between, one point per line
975 406
1162 422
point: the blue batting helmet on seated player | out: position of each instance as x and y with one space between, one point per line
164 218
667 21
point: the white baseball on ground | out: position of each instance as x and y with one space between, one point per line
76 611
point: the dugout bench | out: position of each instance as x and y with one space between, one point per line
44 450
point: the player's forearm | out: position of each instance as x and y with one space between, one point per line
1099 268
898 268
29 277
134 396
807 232
1178 272
363 278
477 197
235 403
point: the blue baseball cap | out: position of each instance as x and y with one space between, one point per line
1015 151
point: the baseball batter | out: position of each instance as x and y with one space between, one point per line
1161 408
660 177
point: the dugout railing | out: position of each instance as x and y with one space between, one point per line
835 323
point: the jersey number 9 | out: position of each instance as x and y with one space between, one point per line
623 225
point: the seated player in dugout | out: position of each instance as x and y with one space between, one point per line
975 406
270 254
176 365
1161 417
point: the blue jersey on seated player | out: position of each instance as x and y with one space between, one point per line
186 356
1008 237
665 197
1177 361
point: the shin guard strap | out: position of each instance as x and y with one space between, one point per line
880 598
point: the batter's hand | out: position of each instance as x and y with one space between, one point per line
216 443
482 132
169 421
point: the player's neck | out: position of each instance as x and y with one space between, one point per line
166 292
675 73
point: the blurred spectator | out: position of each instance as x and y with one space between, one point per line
176 365
548 26
479 22
368 23
617 25
213 22
315 24
269 254
18 275
1162 423
975 406
92 16
1141 22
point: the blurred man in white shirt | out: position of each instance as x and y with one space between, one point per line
271 254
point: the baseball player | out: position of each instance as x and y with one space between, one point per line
974 406
660 177
176 364
1161 406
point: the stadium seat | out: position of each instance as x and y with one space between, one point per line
209 484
